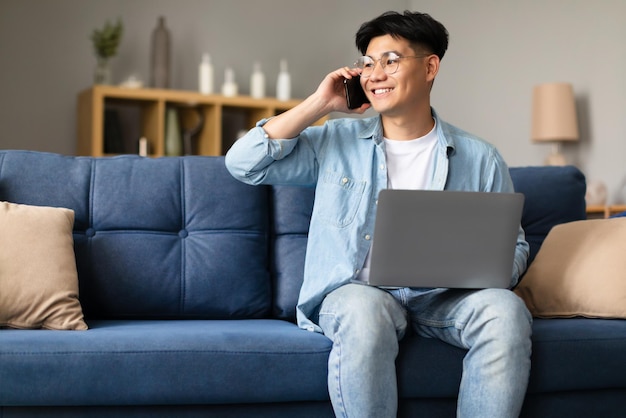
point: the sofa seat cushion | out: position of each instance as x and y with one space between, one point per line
127 362
428 368
568 355
248 361
578 354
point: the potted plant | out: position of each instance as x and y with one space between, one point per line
105 43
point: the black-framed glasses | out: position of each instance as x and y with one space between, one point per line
389 61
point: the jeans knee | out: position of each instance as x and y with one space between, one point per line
506 316
367 312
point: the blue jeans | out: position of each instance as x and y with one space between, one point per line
366 323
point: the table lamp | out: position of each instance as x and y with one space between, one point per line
554 118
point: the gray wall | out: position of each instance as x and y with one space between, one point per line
47 57
498 51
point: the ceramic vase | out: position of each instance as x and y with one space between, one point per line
160 56
173 139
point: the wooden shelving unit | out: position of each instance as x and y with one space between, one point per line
598 212
147 109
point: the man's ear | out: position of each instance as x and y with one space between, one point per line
432 67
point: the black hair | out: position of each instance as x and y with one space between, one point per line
420 29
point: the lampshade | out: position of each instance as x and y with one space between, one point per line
554 113
554 117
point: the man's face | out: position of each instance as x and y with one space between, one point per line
406 90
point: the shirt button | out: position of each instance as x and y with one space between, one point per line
368 237
344 180
382 166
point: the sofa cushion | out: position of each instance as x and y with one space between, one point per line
291 214
38 279
154 237
579 271
431 368
577 354
161 362
553 194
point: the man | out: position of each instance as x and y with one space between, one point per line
349 161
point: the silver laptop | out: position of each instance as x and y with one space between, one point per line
452 239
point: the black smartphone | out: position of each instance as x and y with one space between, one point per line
355 96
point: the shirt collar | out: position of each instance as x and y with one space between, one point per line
446 140
373 129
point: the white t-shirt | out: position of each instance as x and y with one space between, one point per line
409 166
410 163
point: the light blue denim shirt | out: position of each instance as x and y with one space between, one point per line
345 161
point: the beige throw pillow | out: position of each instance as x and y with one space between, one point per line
38 279
580 270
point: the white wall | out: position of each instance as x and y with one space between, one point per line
499 49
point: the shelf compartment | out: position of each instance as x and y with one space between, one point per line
141 113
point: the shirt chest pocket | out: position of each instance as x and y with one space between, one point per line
337 199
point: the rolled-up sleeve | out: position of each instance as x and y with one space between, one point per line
257 159
501 182
250 156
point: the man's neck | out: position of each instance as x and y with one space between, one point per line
407 127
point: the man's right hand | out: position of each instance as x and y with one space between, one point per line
329 97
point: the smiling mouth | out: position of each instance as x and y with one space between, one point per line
381 91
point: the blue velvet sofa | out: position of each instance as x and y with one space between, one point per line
188 281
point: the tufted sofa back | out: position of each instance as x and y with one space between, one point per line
553 195
154 238
180 238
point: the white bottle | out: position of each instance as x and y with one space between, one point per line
229 88
205 75
257 82
283 84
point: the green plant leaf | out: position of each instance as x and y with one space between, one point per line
106 40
